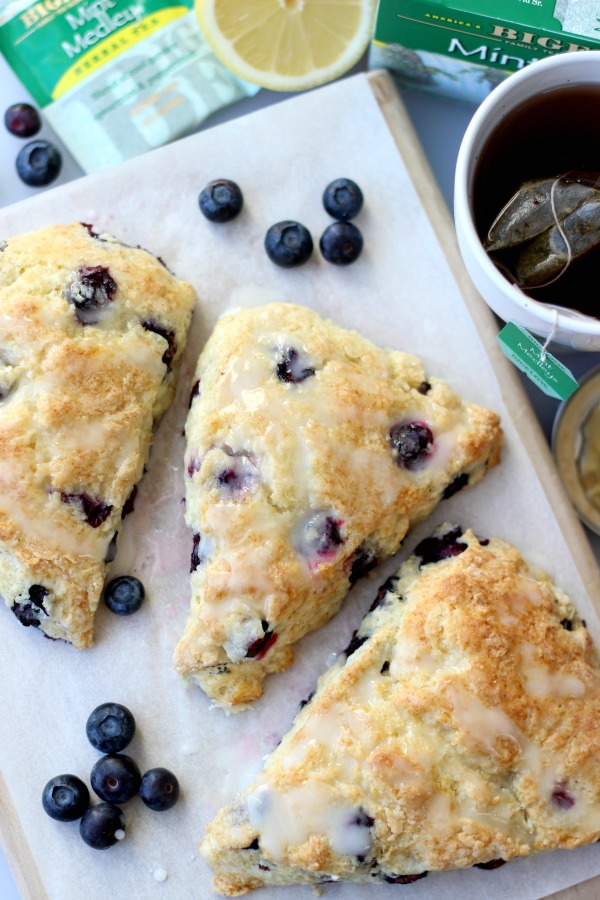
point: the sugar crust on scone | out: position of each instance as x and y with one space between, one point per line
461 728
91 335
294 487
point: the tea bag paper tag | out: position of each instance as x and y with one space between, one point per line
528 355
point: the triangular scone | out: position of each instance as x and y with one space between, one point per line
91 334
310 453
461 727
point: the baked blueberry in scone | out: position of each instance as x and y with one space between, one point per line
91 334
310 453
461 728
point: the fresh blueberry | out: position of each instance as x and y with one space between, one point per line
288 244
102 826
94 511
22 120
110 727
343 199
38 163
411 443
159 789
115 778
65 798
341 243
90 291
124 595
292 366
221 200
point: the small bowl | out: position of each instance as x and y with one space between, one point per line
563 326
569 441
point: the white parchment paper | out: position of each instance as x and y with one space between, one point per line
401 293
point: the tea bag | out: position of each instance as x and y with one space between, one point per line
548 255
545 226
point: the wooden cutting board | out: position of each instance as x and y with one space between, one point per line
409 290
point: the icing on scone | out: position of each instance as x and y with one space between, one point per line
459 728
310 453
85 374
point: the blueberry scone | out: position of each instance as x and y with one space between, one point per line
310 452
461 727
91 334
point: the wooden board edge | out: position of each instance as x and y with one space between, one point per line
17 851
513 393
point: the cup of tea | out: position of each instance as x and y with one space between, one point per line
527 199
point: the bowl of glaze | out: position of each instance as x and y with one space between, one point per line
561 325
576 448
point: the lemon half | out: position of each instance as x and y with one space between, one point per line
287 45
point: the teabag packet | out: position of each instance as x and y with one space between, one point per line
116 77
546 224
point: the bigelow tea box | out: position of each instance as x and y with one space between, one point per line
463 49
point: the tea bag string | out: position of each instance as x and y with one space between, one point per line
553 331
560 230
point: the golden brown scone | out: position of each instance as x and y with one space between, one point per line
310 453
91 334
461 727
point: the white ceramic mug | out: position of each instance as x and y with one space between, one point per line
563 326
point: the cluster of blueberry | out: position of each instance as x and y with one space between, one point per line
289 243
115 778
38 162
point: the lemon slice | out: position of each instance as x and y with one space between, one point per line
287 45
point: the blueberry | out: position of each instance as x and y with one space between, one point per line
110 727
292 366
435 549
115 778
261 646
288 244
38 163
169 337
124 595
363 559
318 534
455 486
403 879
196 558
343 199
411 442
491 864
90 291
65 798
221 200
561 798
355 644
22 120
94 511
102 826
159 789
195 392
341 243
